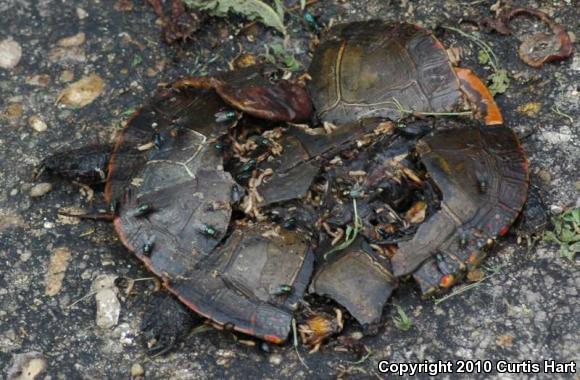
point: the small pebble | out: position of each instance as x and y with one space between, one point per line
37 123
66 76
76 40
275 359
28 365
545 176
556 210
10 53
13 110
82 14
40 189
40 80
25 256
357 335
137 370
108 305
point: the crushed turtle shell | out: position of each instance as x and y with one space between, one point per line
242 213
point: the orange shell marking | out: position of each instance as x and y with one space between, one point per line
479 96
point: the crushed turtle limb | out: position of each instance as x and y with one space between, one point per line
87 165
165 323
482 174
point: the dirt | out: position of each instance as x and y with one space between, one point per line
526 309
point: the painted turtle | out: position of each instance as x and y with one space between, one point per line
375 68
173 194
482 174
172 203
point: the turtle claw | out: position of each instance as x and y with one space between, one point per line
165 323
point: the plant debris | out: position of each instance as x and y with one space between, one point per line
402 321
538 48
566 233
181 25
250 9
499 81
319 327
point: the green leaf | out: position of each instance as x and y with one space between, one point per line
483 57
572 216
277 55
568 236
550 236
575 247
499 81
402 320
250 9
566 253
279 4
137 60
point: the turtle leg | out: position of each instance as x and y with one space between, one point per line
87 165
165 323
479 96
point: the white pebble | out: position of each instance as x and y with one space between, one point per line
37 123
40 189
108 305
10 53
82 14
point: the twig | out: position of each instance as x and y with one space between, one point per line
465 288
81 299
351 232
294 332
402 110
557 111
482 44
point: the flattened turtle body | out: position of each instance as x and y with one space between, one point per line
482 174
363 68
175 215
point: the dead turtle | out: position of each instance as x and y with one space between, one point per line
172 198
382 69
481 175
171 203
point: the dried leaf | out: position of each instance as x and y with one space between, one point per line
530 109
416 214
505 340
82 92
251 9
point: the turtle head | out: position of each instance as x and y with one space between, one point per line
86 165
